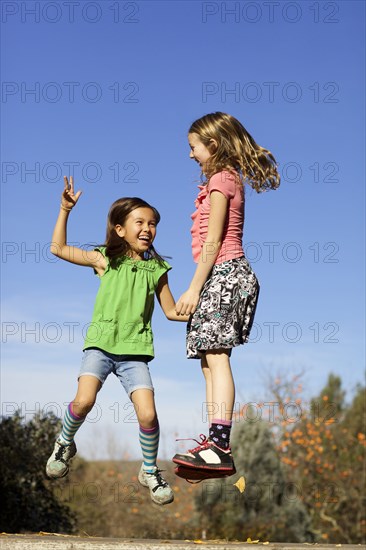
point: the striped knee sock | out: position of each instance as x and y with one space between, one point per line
149 441
70 426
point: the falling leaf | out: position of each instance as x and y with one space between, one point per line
250 541
240 484
198 542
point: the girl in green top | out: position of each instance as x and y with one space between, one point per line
119 338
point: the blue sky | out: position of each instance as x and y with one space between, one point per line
106 91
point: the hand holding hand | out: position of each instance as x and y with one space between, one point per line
187 303
69 198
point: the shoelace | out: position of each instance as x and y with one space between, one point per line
60 452
203 443
160 481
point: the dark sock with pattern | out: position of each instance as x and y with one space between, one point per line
220 433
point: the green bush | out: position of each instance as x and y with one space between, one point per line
28 502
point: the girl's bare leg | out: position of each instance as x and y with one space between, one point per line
210 406
75 414
88 387
223 388
214 454
80 406
144 403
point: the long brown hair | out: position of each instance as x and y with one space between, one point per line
117 246
236 150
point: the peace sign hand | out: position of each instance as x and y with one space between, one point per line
69 197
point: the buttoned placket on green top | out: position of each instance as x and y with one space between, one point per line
121 322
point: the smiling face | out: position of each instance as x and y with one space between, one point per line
199 152
139 230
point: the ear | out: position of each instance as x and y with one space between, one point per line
120 230
213 145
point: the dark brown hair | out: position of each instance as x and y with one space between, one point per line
117 246
236 150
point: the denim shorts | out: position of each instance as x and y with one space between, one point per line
132 372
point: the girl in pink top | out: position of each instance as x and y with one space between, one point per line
223 293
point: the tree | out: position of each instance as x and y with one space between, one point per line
331 398
324 454
355 415
28 501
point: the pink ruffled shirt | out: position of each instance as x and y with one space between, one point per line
230 186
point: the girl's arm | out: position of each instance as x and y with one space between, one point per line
187 303
166 300
59 246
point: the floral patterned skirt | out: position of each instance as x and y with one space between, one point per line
226 308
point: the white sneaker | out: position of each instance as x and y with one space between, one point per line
57 465
160 491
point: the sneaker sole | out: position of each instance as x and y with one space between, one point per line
195 466
192 474
162 503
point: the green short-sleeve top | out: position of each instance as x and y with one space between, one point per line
121 322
